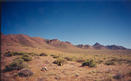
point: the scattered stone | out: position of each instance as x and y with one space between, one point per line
57 77
77 74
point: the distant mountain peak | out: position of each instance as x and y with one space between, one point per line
25 40
83 46
96 44
115 47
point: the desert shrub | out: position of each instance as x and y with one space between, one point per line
109 62
121 60
33 54
8 54
99 61
104 58
55 56
89 62
25 73
129 74
18 59
26 58
80 60
43 54
115 59
51 55
107 79
68 58
18 53
60 61
118 76
128 61
17 64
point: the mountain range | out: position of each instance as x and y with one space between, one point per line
37 42
99 46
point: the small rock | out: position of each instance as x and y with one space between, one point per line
57 78
76 74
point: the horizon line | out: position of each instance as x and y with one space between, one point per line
64 40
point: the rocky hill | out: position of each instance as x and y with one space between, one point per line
21 40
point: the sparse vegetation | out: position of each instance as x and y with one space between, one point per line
99 73
26 58
62 58
80 60
68 58
55 56
33 54
129 73
8 54
43 54
90 63
17 64
118 76
18 53
109 62
60 61
99 61
120 60
25 73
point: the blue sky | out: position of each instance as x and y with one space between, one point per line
78 22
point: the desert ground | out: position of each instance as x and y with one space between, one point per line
21 61
72 70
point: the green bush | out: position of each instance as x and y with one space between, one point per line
26 58
60 61
8 54
99 61
68 58
89 62
18 53
121 60
115 59
129 73
55 56
25 73
109 62
51 55
118 76
81 60
17 64
18 60
43 54
32 54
